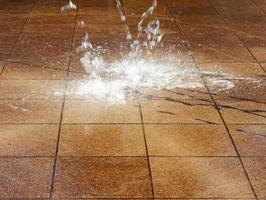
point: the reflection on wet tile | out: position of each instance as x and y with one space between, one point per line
188 140
30 111
243 112
102 140
179 111
215 45
250 140
25 177
13 89
89 111
16 71
199 178
28 140
257 173
111 177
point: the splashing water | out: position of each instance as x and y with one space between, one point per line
122 79
69 6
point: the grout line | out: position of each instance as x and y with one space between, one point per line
147 150
62 112
232 28
218 110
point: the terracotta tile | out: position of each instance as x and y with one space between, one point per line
264 66
138 7
256 168
102 140
16 6
235 80
188 140
179 111
52 25
16 71
51 7
103 7
95 177
54 52
243 112
11 23
215 44
175 94
25 177
1 68
261 4
30 111
43 89
232 70
199 178
89 111
7 42
250 140
28 140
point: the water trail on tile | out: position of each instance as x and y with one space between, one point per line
117 80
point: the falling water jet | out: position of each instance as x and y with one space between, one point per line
69 6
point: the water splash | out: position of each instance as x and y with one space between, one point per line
69 6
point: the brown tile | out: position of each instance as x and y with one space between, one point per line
51 7
256 168
11 23
16 6
17 71
250 140
261 4
89 111
54 52
43 89
264 66
103 7
52 25
30 111
106 177
25 177
199 178
178 93
243 112
188 140
235 80
102 140
215 44
179 111
28 140
137 7
7 42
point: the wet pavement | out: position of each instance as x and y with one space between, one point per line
182 143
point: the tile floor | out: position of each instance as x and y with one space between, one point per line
180 144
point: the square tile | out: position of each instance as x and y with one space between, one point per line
256 168
28 139
243 112
44 7
102 140
25 177
11 23
30 111
44 89
89 111
188 140
215 45
106 177
54 53
16 7
17 71
103 7
199 178
179 111
250 140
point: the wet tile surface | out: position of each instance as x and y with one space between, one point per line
109 178
199 177
25 177
183 142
